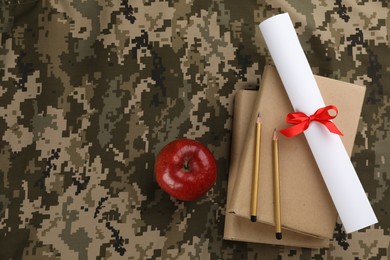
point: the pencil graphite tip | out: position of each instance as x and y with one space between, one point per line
275 136
258 118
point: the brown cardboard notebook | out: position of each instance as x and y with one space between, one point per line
236 227
306 205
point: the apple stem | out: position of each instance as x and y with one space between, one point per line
186 165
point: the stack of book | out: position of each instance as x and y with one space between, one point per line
308 215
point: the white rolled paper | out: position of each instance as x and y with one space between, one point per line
340 177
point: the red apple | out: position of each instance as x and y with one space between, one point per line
185 169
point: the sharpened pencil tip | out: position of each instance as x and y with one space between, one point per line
275 136
258 120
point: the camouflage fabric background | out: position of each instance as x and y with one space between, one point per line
91 90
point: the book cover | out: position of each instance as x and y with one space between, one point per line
239 228
306 205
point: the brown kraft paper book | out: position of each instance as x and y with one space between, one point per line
241 229
306 205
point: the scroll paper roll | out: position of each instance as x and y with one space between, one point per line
340 177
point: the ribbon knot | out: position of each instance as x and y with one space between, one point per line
301 121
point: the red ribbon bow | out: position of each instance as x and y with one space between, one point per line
301 121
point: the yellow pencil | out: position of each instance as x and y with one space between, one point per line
256 170
277 211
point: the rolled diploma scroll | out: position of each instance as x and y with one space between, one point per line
332 159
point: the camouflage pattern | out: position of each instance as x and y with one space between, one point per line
91 90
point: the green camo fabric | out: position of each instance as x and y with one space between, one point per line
91 90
